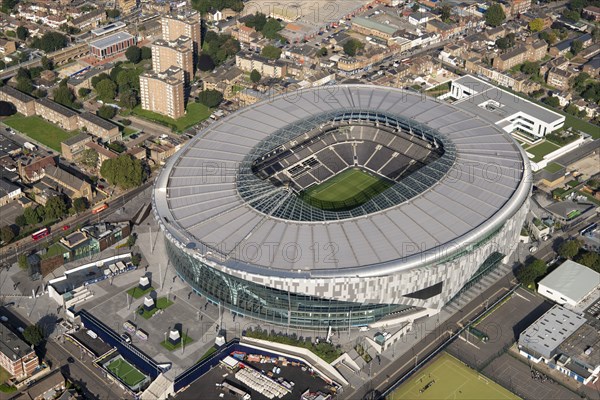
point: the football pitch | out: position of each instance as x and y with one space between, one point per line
351 187
126 372
448 378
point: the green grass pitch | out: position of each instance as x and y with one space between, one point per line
450 379
351 187
126 372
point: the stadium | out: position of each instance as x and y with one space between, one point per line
342 206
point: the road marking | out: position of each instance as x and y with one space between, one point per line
465 340
523 297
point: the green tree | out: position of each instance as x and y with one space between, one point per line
146 53
136 259
128 99
47 63
446 12
2 64
24 85
112 13
127 79
21 221
31 216
205 63
271 52
80 204
571 109
106 90
530 68
494 15
34 334
124 171
55 208
536 25
219 47
579 82
255 76
89 157
7 234
549 37
99 78
322 52
63 95
82 92
134 54
596 34
352 46
50 41
590 259
210 98
106 112
569 248
9 5
576 47
22 260
271 29
527 274
571 14
257 21
22 32
552 101
131 240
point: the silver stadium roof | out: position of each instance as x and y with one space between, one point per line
199 207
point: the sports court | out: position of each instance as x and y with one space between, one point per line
350 186
448 378
126 372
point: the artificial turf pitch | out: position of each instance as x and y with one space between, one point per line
352 186
448 378
126 372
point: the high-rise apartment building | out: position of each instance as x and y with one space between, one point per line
163 92
178 53
174 26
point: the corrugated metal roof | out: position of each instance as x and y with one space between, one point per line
572 280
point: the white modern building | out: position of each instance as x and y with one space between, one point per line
570 283
504 109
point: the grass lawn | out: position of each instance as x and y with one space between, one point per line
126 372
351 187
40 130
553 167
54 250
195 113
448 378
161 304
208 353
185 340
540 150
5 376
136 292
127 131
439 89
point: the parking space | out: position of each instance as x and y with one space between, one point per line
516 376
502 327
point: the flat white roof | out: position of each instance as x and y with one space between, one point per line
572 280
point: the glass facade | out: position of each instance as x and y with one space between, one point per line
273 305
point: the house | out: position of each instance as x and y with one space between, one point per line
245 34
72 148
48 387
57 114
559 78
267 68
7 47
68 183
419 18
224 80
89 20
493 34
16 356
99 127
592 13
519 54
562 48
103 153
8 192
32 169
592 67
24 103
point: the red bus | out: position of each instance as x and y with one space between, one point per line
40 234
99 208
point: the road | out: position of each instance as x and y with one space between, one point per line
26 245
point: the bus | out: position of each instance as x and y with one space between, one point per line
40 234
99 209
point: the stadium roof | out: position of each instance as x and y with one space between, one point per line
572 280
198 200
510 103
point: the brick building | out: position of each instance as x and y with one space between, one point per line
57 114
16 356
519 54
24 103
174 26
178 53
112 45
163 93
72 148
99 127
559 78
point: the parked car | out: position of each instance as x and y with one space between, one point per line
66 227
126 337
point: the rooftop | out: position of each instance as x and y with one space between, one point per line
66 112
17 94
96 120
76 139
10 344
367 23
64 177
108 41
572 280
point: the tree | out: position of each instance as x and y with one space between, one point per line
99 78
219 47
576 47
571 14
579 82
34 334
22 260
7 234
55 208
210 98
131 240
80 204
590 259
255 76
63 95
82 92
494 16
257 21
271 52
31 216
569 248
146 53
549 37
271 29
205 63
47 63
89 157
106 90
128 99
106 112
8 5
528 274
24 85
136 259
322 52
552 101
21 221
112 13
134 54
124 171
536 25
446 12
51 41
2 64
572 109
530 68
22 32
352 46
415 7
